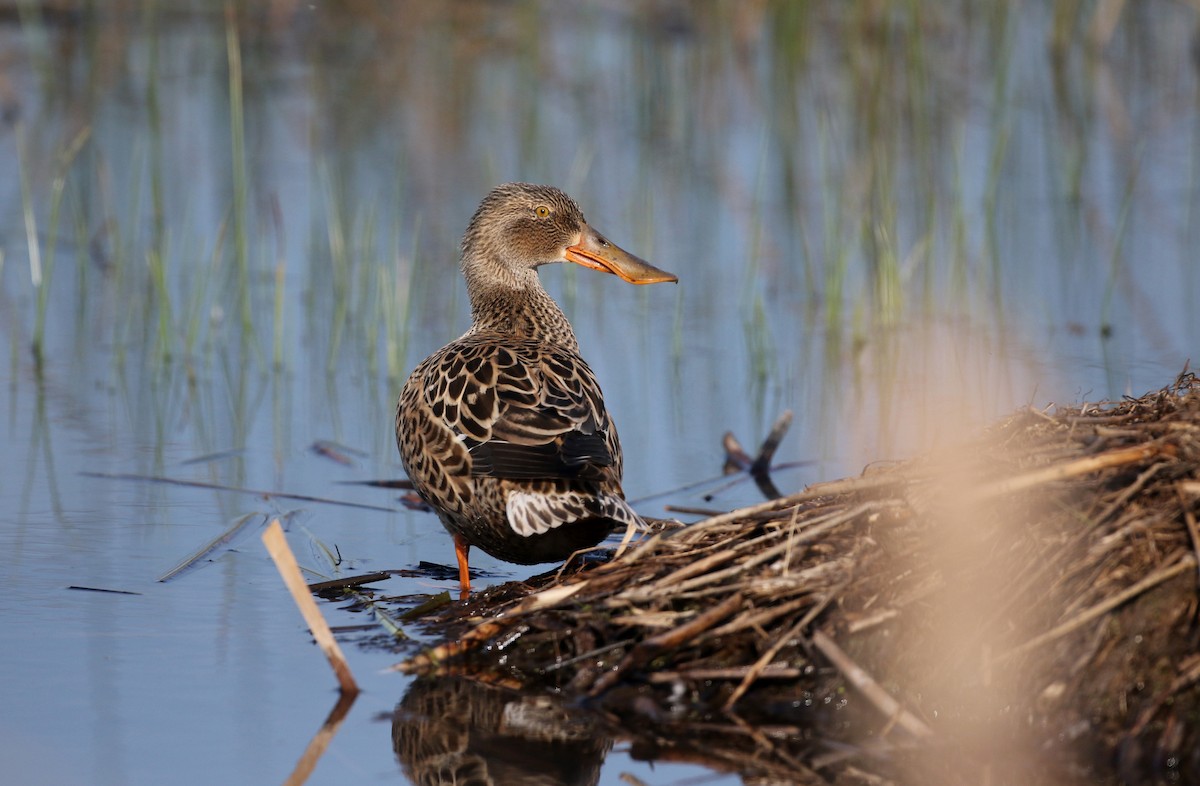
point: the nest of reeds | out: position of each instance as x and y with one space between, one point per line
1031 595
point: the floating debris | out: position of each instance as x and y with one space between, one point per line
264 493
336 452
346 582
209 458
382 484
285 561
219 545
103 589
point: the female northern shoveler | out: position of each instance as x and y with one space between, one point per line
504 431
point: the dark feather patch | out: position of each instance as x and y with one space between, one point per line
579 450
576 455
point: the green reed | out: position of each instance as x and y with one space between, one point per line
369 299
861 162
396 281
157 253
336 231
41 268
237 144
1116 258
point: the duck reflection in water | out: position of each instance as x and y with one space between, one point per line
457 731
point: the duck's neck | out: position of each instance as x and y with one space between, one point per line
518 307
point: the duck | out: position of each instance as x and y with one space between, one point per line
504 432
459 730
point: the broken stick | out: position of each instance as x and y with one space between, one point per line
285 561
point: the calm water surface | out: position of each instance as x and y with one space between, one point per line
232 237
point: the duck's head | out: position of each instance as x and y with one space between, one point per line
520 227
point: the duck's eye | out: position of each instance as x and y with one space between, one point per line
541 211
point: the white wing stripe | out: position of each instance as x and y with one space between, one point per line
533 514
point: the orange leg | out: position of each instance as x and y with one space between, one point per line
461 547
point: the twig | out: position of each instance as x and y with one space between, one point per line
349 581
647 649
380 484
868 687
762 462
757 668
430 661
1102 608
218 545
691 510
559 664
694 627
760 470
773 671
320 741
335 452
285 561
764 743
197 484
210 457
706 564
1087 420
736 458
709 481
761 618
434 603
1072 469
741 513
759 467
1189 519
879 617
551 596
672 584
1189 677
103 589
1128 493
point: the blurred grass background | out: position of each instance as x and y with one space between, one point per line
898 217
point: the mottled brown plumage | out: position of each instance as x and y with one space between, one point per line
504 431
455 731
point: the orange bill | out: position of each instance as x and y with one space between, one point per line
595 252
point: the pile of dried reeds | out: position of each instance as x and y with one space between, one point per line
1034 592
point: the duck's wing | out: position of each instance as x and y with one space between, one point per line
525 411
